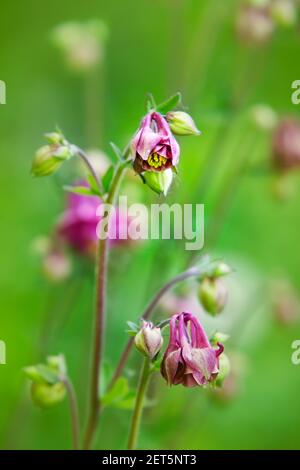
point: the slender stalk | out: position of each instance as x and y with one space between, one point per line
138 408
73 410
81 154
101 280
192 272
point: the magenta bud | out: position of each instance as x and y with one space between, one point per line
149 340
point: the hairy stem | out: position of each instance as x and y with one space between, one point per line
138 408
100 310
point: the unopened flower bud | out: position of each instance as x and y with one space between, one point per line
284 12
54 138
264 117
213 295
224 370
149 340
159 182
182 123
221 269
56 266
46 395
49 158
286 144
254 24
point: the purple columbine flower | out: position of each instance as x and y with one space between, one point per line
190 359
154 146
77 225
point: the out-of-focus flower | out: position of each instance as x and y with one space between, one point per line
56 265
159 182
78 223
48 387
264 117
154 146
149 340
286 302
182 123
213 295
81 43
284 12
190 359
254 24
286 145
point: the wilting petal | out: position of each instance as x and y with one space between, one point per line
171 365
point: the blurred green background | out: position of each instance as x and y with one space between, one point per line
159 46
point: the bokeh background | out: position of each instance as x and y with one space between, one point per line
156 46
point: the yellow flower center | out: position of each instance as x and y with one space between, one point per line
156 161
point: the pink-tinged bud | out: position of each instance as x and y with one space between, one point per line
182 123
254 24
154 146
190 359
286 145
57 266
149 340
213 295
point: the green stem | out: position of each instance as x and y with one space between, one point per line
81 154
100 310
138 409
74 412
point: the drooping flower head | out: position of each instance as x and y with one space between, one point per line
78 223
190 359
154 146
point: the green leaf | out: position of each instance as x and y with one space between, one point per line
119 390
83 190
107 178
117 151
169 104
133 326
93 185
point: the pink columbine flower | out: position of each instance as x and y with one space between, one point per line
154 146
78 223
190 359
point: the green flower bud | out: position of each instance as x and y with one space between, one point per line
224 370
46 395
284 12
54 138
221 269
213 295
149 340
181 123
49 158
159 182
264 117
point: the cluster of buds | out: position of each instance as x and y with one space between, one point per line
155 149
49 158
82 44
48 381
190 359
213 293
257 19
